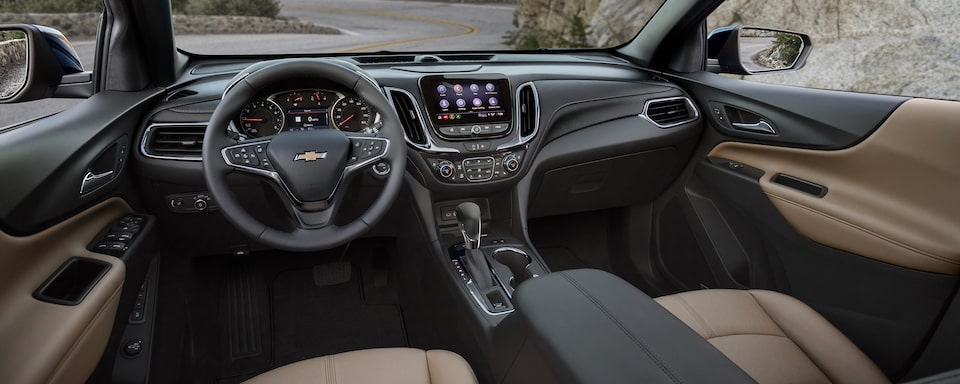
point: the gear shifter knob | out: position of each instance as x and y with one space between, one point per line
468 215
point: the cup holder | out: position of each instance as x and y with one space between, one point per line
518 262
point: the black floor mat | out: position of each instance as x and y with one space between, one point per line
311 320
232 317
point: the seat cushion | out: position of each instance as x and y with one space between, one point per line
384 365
773 337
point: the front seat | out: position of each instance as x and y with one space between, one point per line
383 365
773 337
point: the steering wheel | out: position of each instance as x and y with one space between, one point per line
310 168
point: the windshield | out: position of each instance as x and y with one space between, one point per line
316 26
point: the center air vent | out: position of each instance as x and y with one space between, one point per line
666 113
528 110
409 118
174 141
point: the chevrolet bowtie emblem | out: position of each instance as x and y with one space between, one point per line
310 156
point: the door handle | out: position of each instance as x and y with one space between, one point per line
92 181
758 127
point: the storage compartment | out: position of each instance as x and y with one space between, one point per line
606 183
72 281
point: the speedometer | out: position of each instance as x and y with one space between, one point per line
351 114
262 118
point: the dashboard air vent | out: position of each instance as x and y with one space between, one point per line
174 141
409 118
670 112
528 109
385 59
181 94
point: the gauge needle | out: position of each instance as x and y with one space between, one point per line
346 120
317 95
298 99
252 120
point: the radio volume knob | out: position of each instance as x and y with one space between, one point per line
446 169
511 163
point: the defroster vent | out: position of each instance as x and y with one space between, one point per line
409 118
175 141
666 113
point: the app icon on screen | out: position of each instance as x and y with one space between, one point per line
477 102
444 104
493 101
491 87
474 88
461 103
441 89
458 88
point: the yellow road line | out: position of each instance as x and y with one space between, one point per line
467 29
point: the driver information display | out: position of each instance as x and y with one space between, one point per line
466 101
307 119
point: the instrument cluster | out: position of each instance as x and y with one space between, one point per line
307 109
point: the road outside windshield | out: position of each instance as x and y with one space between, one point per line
338 26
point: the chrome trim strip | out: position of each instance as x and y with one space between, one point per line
147 135
520 139
646 106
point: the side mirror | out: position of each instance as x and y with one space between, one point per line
748 50
35 61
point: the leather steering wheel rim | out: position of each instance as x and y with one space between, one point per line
244 88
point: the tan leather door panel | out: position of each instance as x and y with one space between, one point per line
895 197
45 342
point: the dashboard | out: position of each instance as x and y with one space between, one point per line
304 110
578 132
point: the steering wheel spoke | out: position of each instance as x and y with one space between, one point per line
365 151
250 157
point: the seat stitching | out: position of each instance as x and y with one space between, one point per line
696 316
747 334
636 340
805 352
332 370
429 371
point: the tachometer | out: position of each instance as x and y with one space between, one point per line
351 114
261 118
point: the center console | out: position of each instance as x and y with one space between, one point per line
472 128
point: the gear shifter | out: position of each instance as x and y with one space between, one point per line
468 216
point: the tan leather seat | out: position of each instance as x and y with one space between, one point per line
384 365
773 337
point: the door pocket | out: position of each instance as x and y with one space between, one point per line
71 283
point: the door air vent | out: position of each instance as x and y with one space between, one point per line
385 59
181 94
670 112
409 118
528 110
174 141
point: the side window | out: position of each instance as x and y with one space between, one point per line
872 46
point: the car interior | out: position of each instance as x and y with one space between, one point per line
632 214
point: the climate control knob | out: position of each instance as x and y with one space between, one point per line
511 163
446 169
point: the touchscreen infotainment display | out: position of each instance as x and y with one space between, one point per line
465 101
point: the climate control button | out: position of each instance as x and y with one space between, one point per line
446 169
511 163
